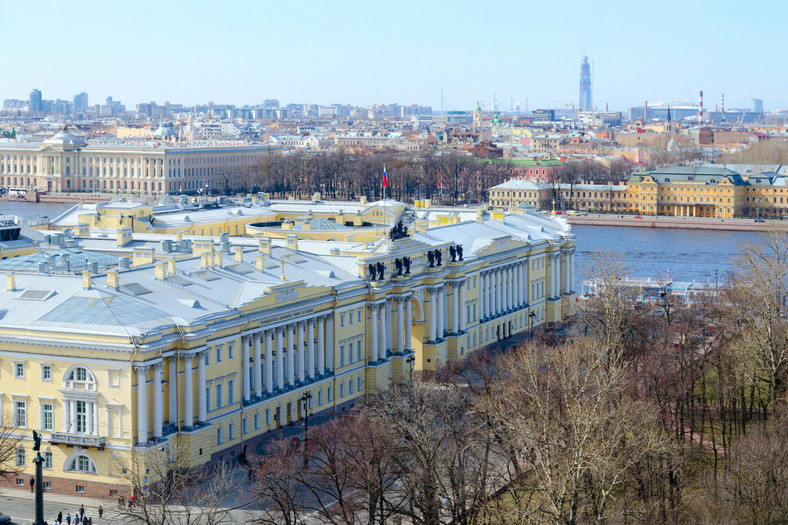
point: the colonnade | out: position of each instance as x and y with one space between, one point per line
504 288
309 353
383 339
440 323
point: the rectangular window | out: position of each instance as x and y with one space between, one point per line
20 413
267 417
47 416
360 310
320 398
218 354
230 351
350 317
341 390
341 355
207 358
219 436
360 384
328 394
342 320
219 395
47 460
231 431
257 421
358 351
207 398
19 369
46 372
244 426
20 457
80 489
231 391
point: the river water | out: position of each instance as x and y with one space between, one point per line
689 255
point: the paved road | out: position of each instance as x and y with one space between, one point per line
19 504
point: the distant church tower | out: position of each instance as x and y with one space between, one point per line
585 86
477 116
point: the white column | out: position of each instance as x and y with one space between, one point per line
527 283
256 373
572 271
172 389
482 293
462 306
290 355
520 285
373 333
158 402
269 361
510 287
501 291
389 330
321 346
408 320
280 357
485 298
142 405
202 410
300 327
310 348
455 309
441 312
433 314
383 335
246 388
493 294
445 303
188 391
400 325
330 342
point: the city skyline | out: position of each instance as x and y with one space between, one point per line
242 53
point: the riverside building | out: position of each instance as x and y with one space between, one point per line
67 163
212 342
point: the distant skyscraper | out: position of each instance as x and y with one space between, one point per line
585 86
80 101
757 105
35 101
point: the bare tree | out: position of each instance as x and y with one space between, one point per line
278 486
166 489
9 444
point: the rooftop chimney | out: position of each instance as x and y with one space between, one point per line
87 280
112 279
265 246
239 254
10 282
171 265
160 270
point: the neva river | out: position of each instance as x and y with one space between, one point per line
690 255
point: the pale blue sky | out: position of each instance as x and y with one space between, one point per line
363 52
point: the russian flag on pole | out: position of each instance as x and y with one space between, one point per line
385 178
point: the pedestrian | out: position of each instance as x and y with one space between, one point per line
81 511
68 518
32 483
101 511
60 517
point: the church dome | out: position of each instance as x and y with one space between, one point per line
65 140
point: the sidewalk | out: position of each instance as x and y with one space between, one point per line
20 506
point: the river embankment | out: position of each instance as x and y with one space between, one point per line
688 223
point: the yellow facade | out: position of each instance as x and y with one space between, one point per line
215 350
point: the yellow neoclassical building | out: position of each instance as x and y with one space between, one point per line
215 348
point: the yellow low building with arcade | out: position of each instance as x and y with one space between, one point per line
213 351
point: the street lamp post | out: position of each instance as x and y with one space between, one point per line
305 399
410 359
531 317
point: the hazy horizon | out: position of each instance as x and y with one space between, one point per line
361 53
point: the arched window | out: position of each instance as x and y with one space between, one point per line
79 377
80 463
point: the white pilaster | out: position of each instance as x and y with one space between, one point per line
455 309
280 357
433 314
441 312
330 342
290 355
383 332
389 328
